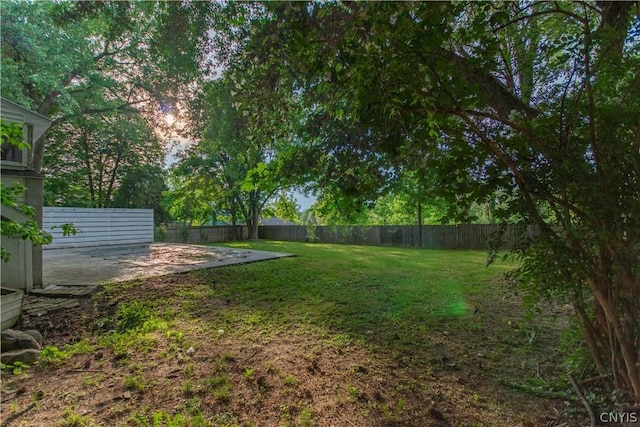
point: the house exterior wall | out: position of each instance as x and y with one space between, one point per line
24 270
34 126
33 197
16 273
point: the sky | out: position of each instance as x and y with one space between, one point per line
304 201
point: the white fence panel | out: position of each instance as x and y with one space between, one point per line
98 227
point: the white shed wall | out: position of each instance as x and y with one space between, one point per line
99 227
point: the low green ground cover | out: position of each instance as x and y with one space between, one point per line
337 334
363 291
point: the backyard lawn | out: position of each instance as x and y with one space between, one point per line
336 336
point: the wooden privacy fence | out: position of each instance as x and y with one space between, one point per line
217 233
98 226
461 236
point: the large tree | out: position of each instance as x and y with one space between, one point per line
535 101
143 187
90 157
71 59
231 161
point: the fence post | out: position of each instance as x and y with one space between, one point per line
419 224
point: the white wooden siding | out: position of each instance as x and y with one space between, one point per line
99 227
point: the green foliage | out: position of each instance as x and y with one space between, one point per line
523 108
142 187
74 419
189 198
305 418
159 233
107 73
13 133
102 55
283 207
310 231
290 381
135 382
220 386
27 230
16 368
228 169
67 229
392 411
162 418
9 196
578 361
108 160
131 316
540 388
52 355
248 373
183 231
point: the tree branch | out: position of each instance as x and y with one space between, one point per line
557 9
586 404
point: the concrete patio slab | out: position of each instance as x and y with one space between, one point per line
97 265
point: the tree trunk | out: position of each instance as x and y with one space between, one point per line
255 219
627 369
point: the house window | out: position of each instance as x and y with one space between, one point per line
10 152
13 154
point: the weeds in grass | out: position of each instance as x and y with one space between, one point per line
540 388
123 344
164 419
73 419
135 382
290 380
255 318
16 368
217 381
189 370
340 340
226 420
193 407
153 324
353 391
187 388
272 369
51 355
287 413
305 418
131 316
220 386
393 412
178 337
89 381
223 394
140 418
248 373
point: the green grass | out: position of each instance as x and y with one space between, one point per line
359 292
353 313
